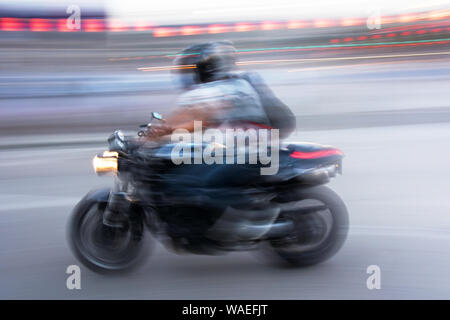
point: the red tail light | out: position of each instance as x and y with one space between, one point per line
316 154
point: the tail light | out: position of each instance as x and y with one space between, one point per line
316 154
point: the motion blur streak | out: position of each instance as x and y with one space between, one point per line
344 58
382 100
309 48
167 68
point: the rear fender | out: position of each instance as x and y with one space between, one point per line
308 164
310 156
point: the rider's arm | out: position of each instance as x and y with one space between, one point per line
183 118
206 105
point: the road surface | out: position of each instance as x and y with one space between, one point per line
390 116
395 184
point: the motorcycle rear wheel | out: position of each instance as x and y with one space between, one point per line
315 237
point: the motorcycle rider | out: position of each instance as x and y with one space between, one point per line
222 98
219 96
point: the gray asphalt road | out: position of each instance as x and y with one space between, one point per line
390 115
395 184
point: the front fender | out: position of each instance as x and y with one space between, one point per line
136 213
98 195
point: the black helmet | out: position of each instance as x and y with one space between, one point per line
205 62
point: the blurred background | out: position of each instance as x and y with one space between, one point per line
371 77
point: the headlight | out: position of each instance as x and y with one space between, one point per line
106 162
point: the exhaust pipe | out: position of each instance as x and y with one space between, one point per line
239 225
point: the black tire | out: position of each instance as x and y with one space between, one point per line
331 242
134 246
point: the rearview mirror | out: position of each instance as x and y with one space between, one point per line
156 115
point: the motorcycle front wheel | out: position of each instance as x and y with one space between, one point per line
320 226
102 248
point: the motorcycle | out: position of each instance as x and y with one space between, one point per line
292 215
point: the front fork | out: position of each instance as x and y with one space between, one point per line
118 207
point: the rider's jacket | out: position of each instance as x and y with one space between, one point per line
234 99
242 99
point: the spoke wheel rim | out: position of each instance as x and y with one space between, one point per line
97 248
313 222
